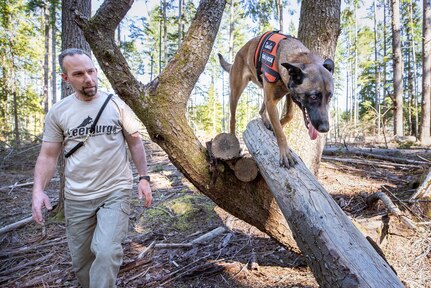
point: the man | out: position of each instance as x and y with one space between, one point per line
98 175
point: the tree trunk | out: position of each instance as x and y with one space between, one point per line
46 20
180 22
337 253
231 29
15 115
54 60
319 27
71 34
165 34
377 72
398 68
426 75
279 4
71 37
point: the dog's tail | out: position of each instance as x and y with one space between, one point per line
224 64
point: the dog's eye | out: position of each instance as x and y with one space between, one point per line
314 97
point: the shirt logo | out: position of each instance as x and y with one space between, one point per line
83 129
86 121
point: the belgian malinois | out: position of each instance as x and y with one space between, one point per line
302 75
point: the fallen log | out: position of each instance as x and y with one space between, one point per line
423 193
370 162
335 250
392 208
374 153
424 190
15 225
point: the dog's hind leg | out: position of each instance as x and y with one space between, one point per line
238 81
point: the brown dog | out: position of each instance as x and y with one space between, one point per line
303 76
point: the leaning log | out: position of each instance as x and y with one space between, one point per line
335 250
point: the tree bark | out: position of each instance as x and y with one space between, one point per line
426 75
337 253
398 69
46 20
319 27
53 11
71 35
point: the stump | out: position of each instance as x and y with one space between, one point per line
335 250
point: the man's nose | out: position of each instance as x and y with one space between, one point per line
87 77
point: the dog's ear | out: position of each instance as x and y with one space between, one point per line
296 74
329 65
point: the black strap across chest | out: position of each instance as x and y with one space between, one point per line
92 128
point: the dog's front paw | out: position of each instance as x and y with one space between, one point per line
286 160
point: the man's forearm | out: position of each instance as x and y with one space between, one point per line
45 165
43 173
139 156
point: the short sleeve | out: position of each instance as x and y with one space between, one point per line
52 131
129 121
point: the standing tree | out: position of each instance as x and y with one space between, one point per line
426 74
71 37
398 69
313 20
161 105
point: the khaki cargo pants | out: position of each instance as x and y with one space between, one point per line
95 230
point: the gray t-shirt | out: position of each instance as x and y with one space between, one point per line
102 165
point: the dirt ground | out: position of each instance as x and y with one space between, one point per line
238 256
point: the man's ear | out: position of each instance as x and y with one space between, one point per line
64 77
296 74
329 65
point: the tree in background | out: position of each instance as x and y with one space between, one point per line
314 19
426 74
397 69
20 50
71 35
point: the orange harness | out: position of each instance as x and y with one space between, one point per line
264 57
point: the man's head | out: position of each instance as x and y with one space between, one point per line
79 71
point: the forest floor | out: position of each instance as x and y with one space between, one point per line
238 256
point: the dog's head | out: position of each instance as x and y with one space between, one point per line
311 87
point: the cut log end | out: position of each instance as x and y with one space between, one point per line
246 169
225 146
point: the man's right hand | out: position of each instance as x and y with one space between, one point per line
40 200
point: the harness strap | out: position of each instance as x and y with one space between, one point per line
258 54
265 56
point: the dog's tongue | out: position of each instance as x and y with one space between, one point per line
312 131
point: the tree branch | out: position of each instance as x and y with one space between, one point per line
99 32
115 10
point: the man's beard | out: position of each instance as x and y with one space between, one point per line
89 91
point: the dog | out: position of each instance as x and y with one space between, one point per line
303 76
